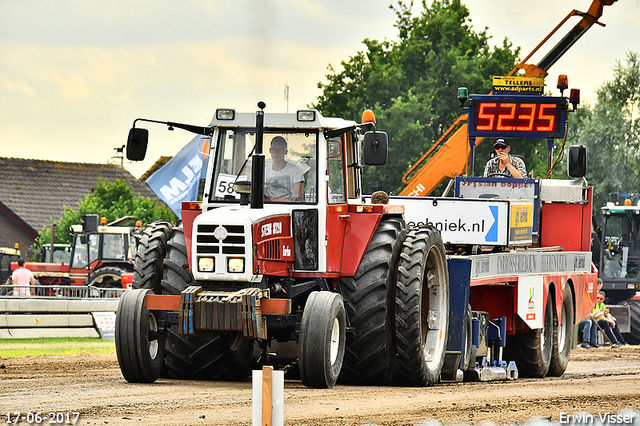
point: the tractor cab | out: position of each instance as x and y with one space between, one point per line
618 256
101 245
7 255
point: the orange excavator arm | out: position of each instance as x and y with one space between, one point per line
449 156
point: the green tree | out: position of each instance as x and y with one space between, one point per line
112 200
411 83
610 129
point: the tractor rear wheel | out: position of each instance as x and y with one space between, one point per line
212 355
105 278
422 308
151 251
633 337
369 299
532 350
322 339
139 347
562 335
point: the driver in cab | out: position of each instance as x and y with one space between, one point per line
503 164
283 180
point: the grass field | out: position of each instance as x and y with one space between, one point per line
10 348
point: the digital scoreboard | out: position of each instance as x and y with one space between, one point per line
522 116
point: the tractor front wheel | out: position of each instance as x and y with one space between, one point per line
139 346
322 339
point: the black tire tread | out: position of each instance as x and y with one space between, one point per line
104 271
560 356
131 340
151 250
369 299
633 337
411 284
320 311
526 348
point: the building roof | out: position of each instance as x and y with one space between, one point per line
37 191
155 167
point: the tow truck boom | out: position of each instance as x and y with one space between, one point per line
451 156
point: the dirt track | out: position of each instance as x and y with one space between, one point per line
597 381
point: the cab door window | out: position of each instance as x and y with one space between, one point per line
336 193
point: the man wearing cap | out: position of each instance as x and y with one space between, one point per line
503 164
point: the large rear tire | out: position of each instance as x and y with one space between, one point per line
107 277
322 339
139 348
422 308
562 335
212 355
369 299
633 337
150 253
532 350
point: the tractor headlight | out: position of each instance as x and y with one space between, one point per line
206 264
235 265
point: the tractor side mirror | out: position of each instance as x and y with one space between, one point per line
577 161
375 148
137 144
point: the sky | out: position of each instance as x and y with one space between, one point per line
74 74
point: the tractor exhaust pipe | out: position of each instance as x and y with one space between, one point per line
257 162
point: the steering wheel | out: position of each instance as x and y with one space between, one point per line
499 174
277 191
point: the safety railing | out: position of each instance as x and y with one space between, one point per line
60 291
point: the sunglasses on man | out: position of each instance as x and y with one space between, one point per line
499 147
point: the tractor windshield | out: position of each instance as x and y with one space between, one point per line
290 169
81 244
621 250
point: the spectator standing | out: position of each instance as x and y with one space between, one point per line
21 278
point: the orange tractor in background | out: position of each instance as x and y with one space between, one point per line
100 254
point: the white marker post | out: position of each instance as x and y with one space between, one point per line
268 397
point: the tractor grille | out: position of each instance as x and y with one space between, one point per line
225 239
272 250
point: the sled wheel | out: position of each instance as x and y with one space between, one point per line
322 339
563 335
369 299
532 350
422 308
139 348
